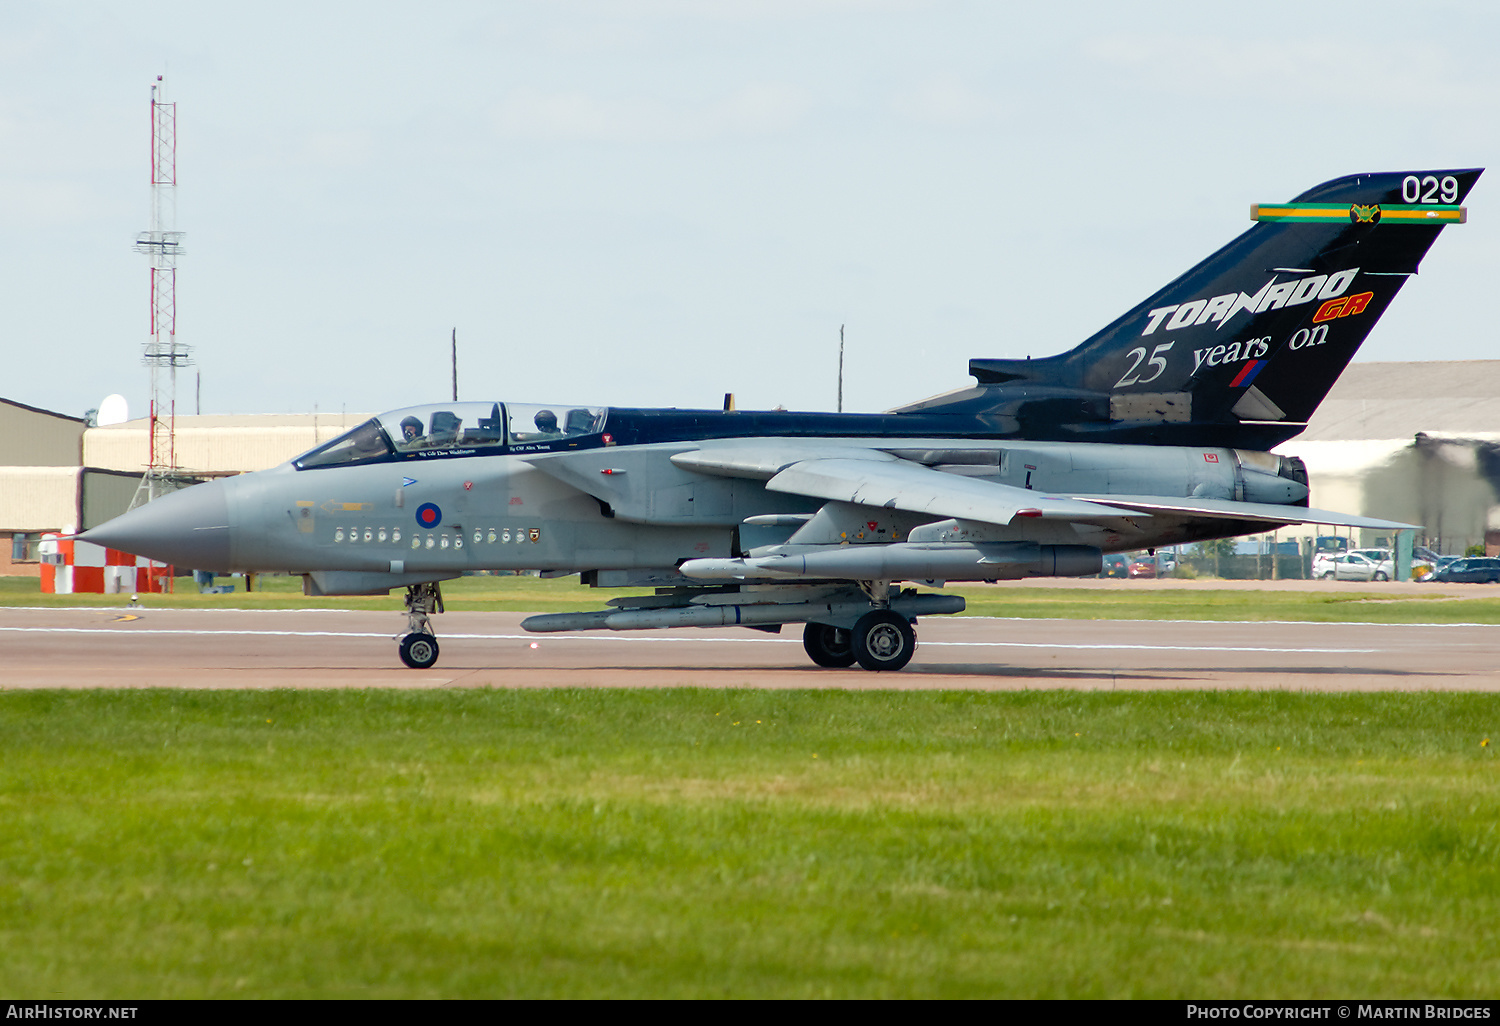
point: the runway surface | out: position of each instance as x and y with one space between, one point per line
214 648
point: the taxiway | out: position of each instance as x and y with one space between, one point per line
223 648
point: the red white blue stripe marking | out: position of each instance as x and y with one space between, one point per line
1248 372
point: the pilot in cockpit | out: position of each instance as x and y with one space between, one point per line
546 422
411 432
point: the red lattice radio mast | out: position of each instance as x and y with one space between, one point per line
162 353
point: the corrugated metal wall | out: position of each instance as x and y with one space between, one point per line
38 498
36 438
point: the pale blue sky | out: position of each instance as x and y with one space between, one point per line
653 203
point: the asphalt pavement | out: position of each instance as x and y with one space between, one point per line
221 648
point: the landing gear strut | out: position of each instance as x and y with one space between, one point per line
419 647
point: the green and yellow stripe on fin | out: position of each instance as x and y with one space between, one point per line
1358 213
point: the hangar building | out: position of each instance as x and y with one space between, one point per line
216 445
48 485
1415 442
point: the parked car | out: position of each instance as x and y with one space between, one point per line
1143 568
1115 565
1423 562
1323 562
1468 570
1354 566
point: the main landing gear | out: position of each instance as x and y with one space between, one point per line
828 646
881 639
419 647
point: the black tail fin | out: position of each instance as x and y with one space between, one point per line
1243 347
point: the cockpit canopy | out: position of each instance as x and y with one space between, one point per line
461 429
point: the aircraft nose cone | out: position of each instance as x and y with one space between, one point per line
188 529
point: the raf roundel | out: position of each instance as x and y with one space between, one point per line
428 514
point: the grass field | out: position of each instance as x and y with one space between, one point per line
744 843
532 594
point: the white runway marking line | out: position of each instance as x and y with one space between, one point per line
1148 648
993 619
680 640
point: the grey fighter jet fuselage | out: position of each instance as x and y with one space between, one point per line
1152 433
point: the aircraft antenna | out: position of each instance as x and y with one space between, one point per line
841 368
162 353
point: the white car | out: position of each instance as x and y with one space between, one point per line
1322 562
1354 566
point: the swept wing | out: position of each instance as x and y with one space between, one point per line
877 479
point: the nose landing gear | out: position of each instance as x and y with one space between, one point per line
419 647
419 651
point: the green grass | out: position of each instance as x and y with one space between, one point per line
748 843
520 594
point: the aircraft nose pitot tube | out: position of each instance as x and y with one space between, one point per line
189 528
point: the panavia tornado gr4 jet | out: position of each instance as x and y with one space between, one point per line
1153 432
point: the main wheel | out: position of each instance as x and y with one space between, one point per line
883 640
419 651
828 646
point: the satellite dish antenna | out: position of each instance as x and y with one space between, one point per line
112 410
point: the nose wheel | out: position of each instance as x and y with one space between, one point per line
419 651
419 647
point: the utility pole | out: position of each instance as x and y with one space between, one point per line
841 368
455 365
